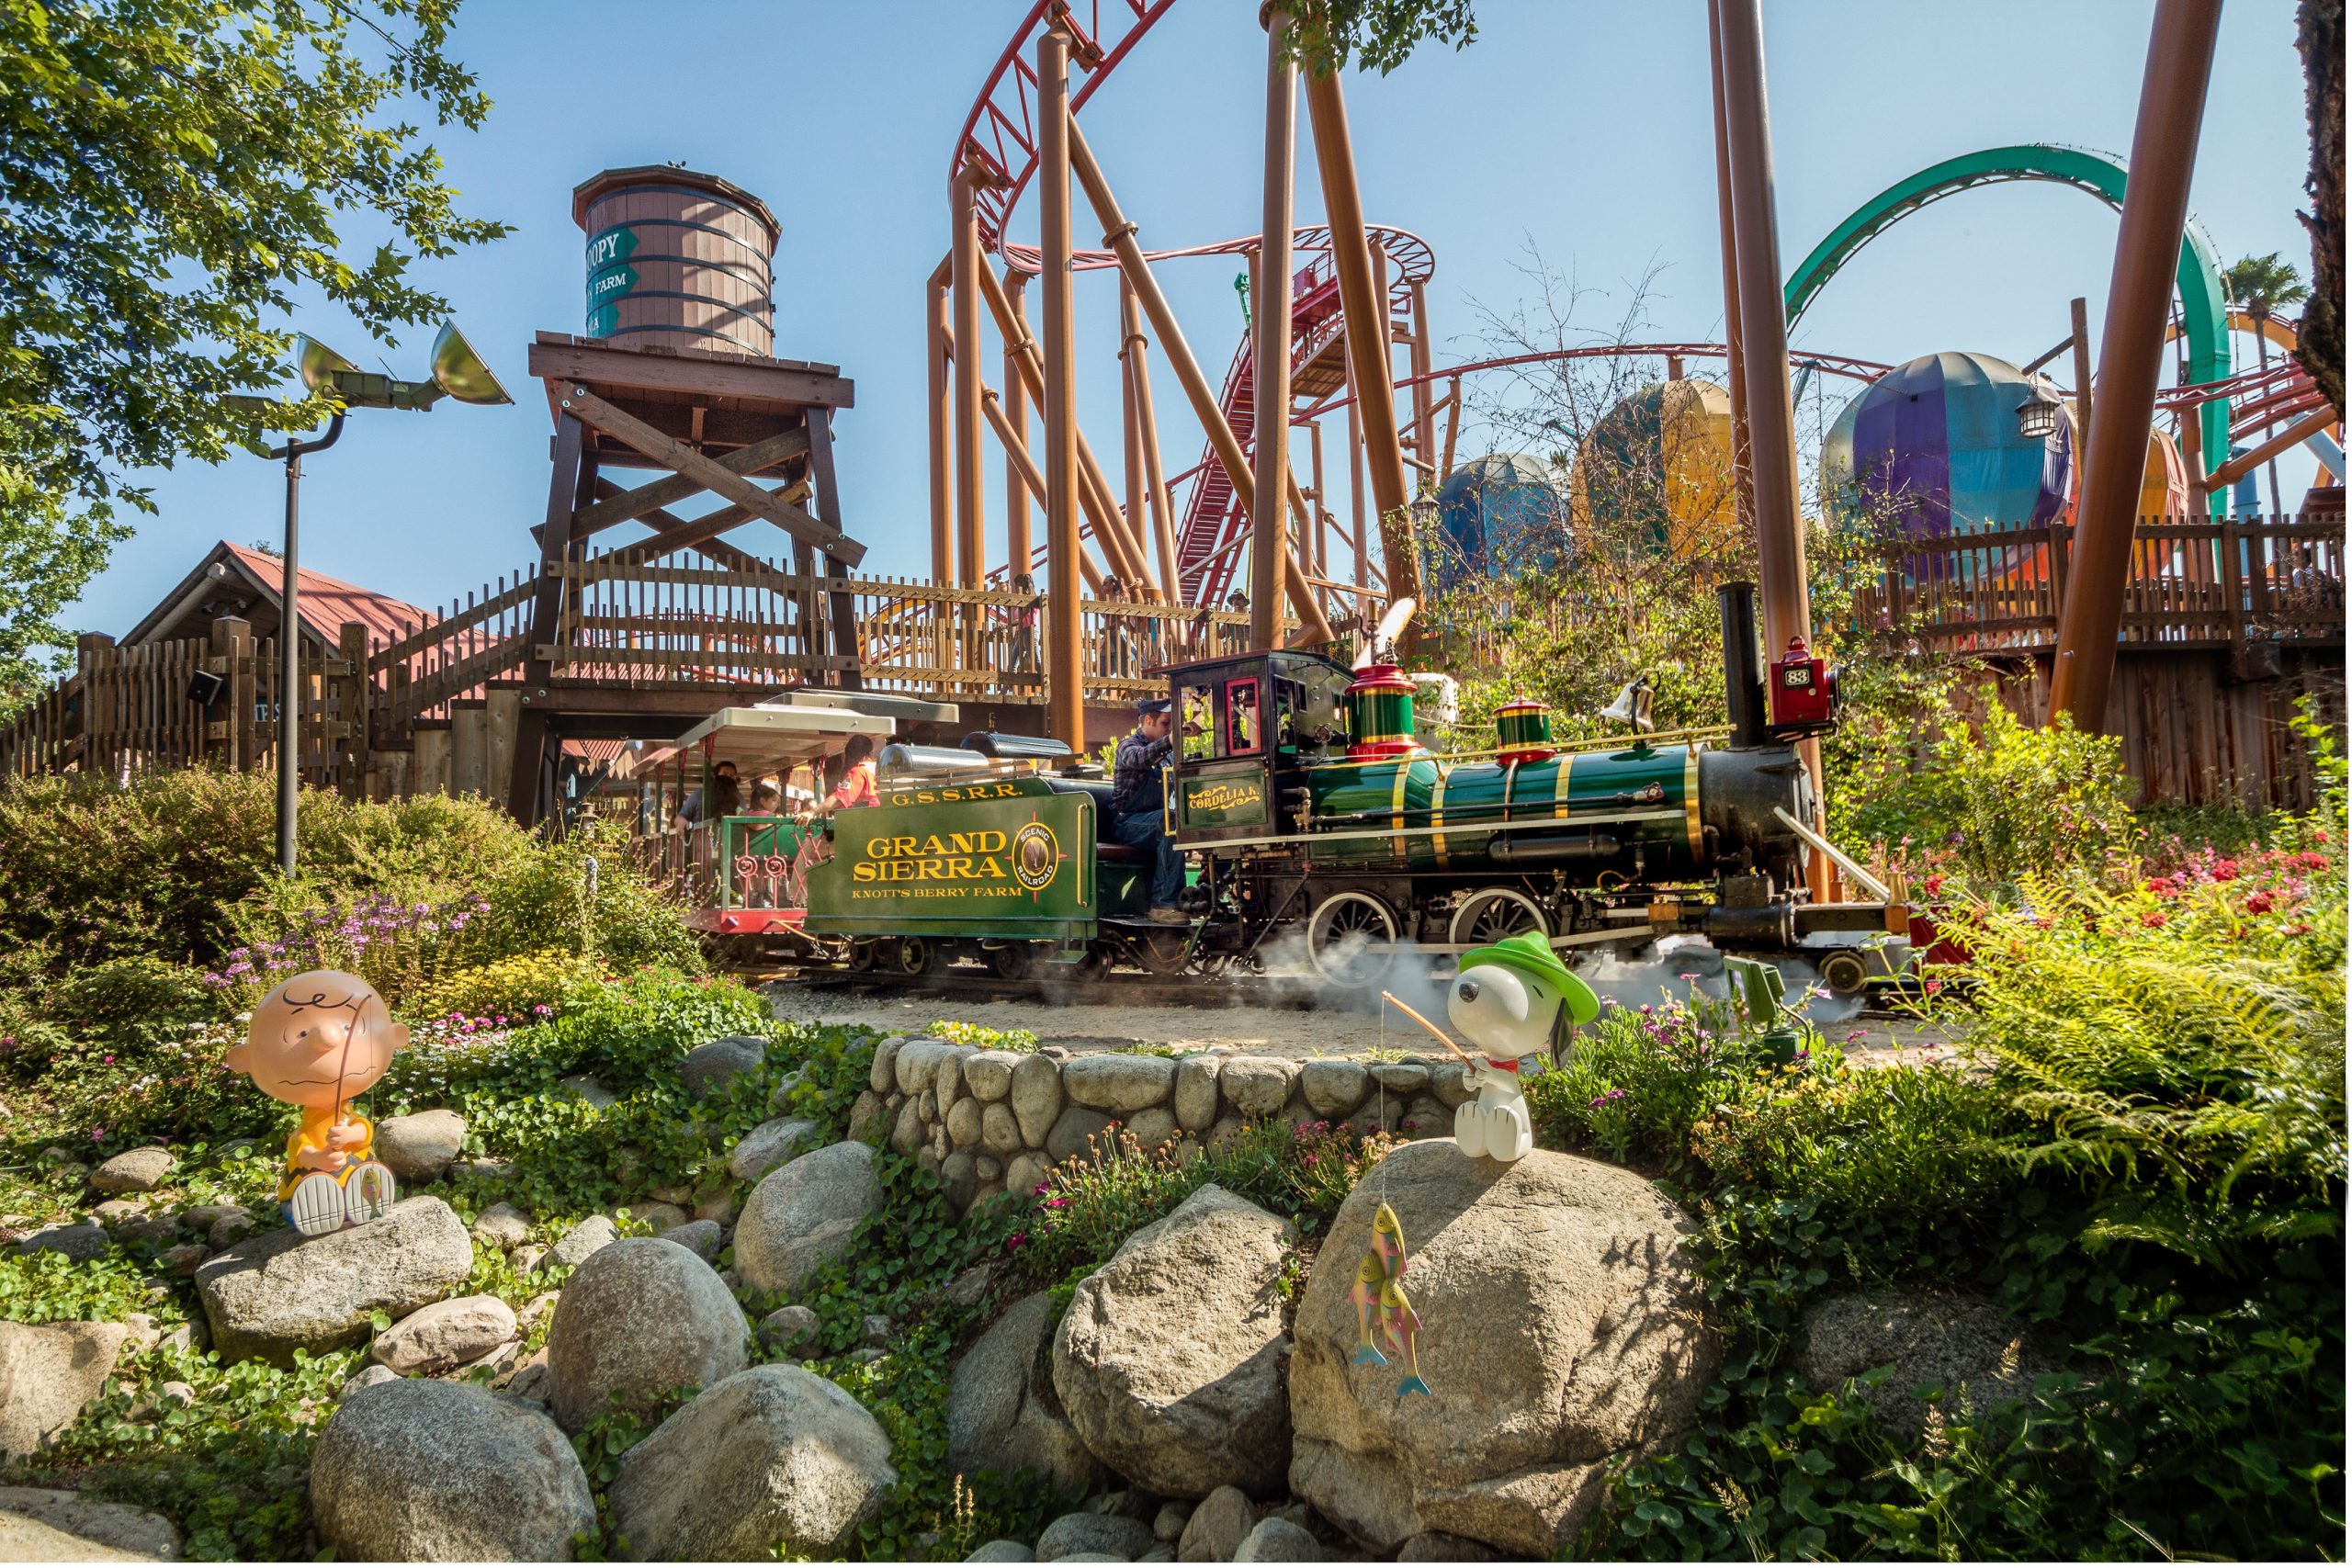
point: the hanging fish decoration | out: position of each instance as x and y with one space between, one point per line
1402 1326
1379 1296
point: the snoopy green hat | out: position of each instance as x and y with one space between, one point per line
1531 955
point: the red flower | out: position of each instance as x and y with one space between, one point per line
2259 902
2309 861
2152 916
2225 870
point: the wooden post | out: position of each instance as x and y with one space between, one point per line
1065 649
1120 235
573 475
233 637
827 499
935 356
99 742
1020 550
351 698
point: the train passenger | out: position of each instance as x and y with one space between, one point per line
858 787
1136 815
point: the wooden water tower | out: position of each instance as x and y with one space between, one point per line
675 373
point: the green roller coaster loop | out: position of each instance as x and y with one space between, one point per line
2204 307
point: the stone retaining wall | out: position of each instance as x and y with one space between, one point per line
986 1122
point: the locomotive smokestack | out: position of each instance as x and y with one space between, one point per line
1743 671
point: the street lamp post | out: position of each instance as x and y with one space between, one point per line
457 372
289 644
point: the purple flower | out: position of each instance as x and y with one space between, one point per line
1687 978
542 1010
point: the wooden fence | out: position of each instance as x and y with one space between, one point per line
124 710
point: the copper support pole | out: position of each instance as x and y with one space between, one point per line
1315 561
1424 418
964 294
1743 477
1119 235
1019 549
1764 365
1366 313
1270 543
1064 641
1163 524
1094 489
1130 429
1358 543
2132 350
934 339
1024 472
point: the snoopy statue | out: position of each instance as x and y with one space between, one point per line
1508 999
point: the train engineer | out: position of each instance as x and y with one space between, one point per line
1137 815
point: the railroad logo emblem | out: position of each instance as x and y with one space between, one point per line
1036 856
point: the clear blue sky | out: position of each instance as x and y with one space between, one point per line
1583 127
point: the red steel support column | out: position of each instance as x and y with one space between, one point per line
942 489
1270 478
1065 644
2130 353
1019 549
1743 480
1764 344
1367 311
963 292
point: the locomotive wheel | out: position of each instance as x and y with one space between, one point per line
1012 960
917 955
1352 938
862 957
1493 913
1099 957
1161 953
1845 973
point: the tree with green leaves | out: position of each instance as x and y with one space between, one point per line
1377 34
2262 287
172 173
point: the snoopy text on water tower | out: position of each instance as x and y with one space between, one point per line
1508 998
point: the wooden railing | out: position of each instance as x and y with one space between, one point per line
2193 585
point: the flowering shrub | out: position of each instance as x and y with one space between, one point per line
528 987
397 947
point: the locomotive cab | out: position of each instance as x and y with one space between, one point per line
1245 726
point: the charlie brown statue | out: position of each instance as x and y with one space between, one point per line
319 1040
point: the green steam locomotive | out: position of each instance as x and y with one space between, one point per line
1316 826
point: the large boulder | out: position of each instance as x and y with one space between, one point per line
1333 1087
639 1318
1195 1098
805 1214
998 1415
1256 1086
133 1170
584 1240
38 1525
773 1456
708 1069
769 1145
281 1292
418 1469
420 1147
988 1075
1561 1327
1170 1358
1962 1345
436 1337
1077 1131
47 1373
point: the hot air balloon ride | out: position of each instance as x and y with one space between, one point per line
1498 515
1657 469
